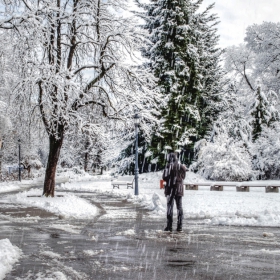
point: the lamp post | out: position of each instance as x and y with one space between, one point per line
19 170
136 123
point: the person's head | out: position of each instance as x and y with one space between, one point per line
172 157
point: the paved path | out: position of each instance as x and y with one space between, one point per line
102 249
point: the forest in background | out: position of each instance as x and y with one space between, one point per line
73 74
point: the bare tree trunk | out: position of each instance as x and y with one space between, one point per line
29 171
0 164
1 157
86 162
86 155
49 184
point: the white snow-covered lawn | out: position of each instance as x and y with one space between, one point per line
254 208
9 255
9 186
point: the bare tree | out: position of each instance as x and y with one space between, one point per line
75 54
239 61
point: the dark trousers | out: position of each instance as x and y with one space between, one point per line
180 216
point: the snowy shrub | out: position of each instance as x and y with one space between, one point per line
223 159
31 161
266 151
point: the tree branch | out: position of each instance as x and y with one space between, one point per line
73 38
26 5
246 78
85 67
78 105
58 39
40 101
98 78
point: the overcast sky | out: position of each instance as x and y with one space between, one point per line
236 15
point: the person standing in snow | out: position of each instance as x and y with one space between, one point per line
174 175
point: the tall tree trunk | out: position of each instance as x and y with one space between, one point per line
49 184
87 144
86 162
29 171
0 164
1 157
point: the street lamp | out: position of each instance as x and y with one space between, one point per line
19 170
136 123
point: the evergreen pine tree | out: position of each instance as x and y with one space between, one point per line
127 156
260 113
183 55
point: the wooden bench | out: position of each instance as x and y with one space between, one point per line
123 180
191 187
194 186
219 186
270 185
272 189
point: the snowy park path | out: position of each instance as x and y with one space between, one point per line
125 242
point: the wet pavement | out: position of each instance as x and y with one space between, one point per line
125 242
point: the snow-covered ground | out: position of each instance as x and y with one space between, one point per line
62 176
10 186
254 208
66 204
9 255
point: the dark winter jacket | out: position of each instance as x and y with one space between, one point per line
174 175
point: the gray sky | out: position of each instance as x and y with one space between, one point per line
236 15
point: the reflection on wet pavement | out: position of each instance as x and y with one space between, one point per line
126 243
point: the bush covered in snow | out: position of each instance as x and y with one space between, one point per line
266 152
223 159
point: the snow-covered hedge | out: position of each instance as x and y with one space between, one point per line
223 159
266 152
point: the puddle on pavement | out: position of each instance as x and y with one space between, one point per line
180 262
55 235
148 255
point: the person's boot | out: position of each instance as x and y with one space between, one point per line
169 225
168 229
179 228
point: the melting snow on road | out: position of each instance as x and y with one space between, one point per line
9 255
